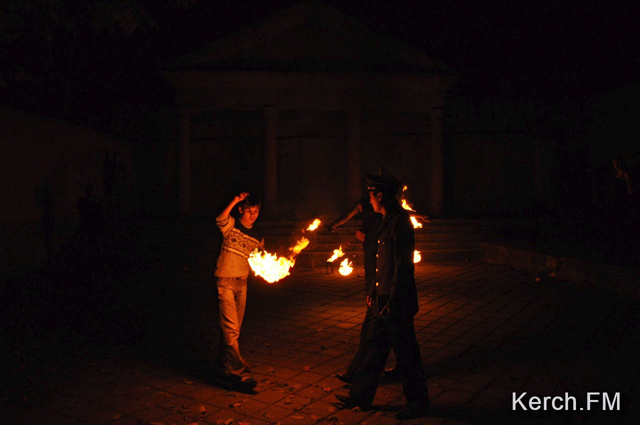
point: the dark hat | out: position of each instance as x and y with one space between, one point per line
384 179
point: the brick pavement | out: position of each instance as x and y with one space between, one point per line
485 331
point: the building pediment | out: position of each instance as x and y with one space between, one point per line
309 37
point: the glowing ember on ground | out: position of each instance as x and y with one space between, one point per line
416 256
273 268
406 206
345 267
337 253
313 226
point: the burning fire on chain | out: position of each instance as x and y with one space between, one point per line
416 256
302 244
273 268
346 267
406 206
337 253
313 226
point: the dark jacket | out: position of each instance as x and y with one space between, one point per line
395 283
370 224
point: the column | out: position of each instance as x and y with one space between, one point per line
354 155
184 161
437 162
271 157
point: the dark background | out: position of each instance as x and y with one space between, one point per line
87 64
572 64
74 59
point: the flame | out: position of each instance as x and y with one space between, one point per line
273 268
345 267
268 266
302 244
313 226
406 206
337 253
416 256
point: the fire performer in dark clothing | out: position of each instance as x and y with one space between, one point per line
367 235
394 302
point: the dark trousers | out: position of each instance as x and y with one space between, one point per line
384 334
359 356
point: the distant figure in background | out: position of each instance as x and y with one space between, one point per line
240 238
91 233
89 207
115 176
45 198
634 176
624 192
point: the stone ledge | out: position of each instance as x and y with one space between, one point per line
622 280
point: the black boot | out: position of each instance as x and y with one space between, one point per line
413 411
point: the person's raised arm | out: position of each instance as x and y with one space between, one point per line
225 213
224 221
423 217
357 208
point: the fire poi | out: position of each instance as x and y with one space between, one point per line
416 256
337 253
313 226
302 244
346 267
406 206
273 268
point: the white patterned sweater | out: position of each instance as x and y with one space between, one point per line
238 242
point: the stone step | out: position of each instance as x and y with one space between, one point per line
356 223
337 240
357 246
319 259
351 231
439 240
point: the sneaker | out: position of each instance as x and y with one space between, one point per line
391 375
242 385
248 383
343 377
350 403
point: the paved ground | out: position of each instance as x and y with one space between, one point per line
485 331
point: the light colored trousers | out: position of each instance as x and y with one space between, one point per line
232 299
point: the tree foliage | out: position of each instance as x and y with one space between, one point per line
54 51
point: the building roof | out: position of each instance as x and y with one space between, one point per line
310 36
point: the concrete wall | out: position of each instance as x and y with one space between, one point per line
44 169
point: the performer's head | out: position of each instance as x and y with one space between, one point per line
382 193
249 210
619 163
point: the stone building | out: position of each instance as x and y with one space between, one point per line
299 108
